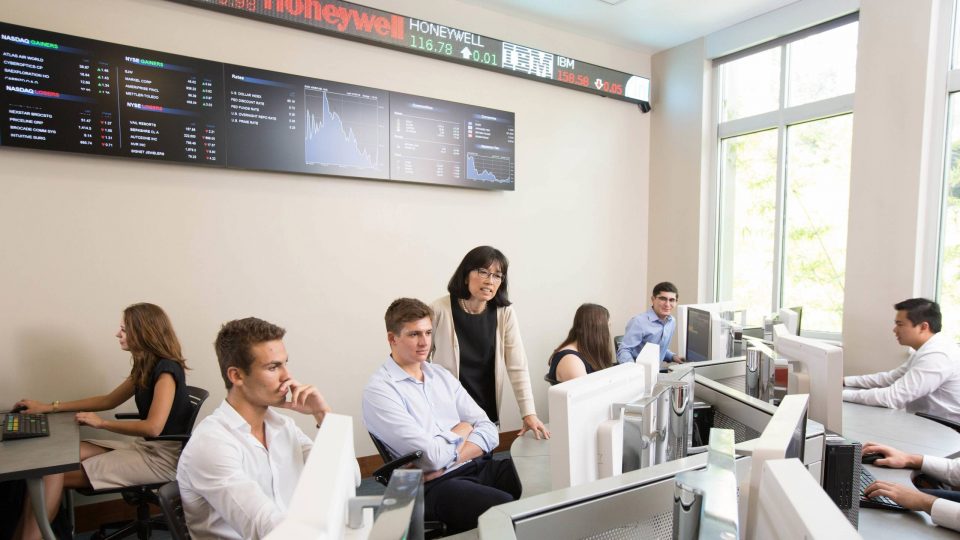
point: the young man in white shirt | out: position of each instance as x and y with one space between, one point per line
944 512
411 404
929 381
239 470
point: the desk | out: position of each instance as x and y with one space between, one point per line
909 433
31 459
860 422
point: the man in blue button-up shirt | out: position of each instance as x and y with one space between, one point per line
410 404
656 325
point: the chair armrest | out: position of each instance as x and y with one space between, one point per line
127 416
383 474
949 423
175 438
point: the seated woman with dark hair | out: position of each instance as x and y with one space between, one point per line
158 385
588 347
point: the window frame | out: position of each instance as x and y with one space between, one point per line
948 79
780 119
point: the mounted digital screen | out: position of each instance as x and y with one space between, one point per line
362 23
80 95
449 142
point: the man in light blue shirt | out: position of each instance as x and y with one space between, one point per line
410 404
656 325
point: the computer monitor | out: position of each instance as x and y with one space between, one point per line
649 360
815 368
580 410
792 506
706 335
790 317
784 437
318 508
681 317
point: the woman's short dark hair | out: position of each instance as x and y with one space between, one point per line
479 257
921 310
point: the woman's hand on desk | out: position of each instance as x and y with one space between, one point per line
893 458
905 496
90 419
33 406
532 423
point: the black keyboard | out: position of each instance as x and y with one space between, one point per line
881 502
24 426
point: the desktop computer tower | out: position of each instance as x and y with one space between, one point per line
841 474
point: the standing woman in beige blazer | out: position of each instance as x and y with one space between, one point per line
477 337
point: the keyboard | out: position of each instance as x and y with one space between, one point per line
881 502
24 426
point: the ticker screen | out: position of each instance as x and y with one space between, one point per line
73 94
362 23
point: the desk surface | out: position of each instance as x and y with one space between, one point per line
860 422
31 458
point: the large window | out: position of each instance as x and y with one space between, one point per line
948 275
784 129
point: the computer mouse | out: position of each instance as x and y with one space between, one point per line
18 408
871 457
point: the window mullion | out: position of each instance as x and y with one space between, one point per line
780 223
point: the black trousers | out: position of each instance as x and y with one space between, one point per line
460 496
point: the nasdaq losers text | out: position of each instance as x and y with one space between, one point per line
362 23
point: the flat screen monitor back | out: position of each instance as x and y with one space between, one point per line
792 506
791 317
577 409
328 481
783 437
816 369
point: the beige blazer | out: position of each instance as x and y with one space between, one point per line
510 358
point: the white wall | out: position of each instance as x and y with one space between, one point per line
83 237
890 171
890 164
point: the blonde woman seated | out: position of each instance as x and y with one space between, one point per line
588 347
157 384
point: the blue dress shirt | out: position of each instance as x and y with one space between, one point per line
408 415
646 328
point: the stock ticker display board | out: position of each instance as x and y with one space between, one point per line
362 23
73 94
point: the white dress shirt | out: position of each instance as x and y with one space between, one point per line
944 513
233 487
929 382
408 415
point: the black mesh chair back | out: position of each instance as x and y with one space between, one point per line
172 507
382 475
143 496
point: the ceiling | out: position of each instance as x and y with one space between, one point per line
646 25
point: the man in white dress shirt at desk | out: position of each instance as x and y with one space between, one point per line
929 381
411 404
239 470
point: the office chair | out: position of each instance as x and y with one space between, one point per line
549 380
172 507
431 529
940 420
144 495
616 344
